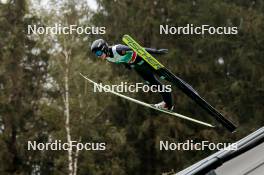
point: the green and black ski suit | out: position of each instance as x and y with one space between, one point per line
121 54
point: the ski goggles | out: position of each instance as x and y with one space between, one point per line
99 53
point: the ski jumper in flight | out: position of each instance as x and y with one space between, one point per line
121 54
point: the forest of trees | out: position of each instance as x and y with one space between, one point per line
43 98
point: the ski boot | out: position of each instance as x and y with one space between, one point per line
163 105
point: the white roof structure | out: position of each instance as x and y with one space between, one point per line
248 159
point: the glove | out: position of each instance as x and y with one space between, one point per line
163 51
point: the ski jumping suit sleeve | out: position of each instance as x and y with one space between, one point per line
123 54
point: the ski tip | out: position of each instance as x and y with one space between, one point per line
212 126
209 125
231 127
234 131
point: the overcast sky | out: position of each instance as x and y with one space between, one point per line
92 4
45 4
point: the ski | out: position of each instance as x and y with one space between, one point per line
162 71
147 104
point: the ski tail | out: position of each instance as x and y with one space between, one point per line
186 88
142 52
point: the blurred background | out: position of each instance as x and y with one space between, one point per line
43 97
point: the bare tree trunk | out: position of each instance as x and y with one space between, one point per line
75 166
67 111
